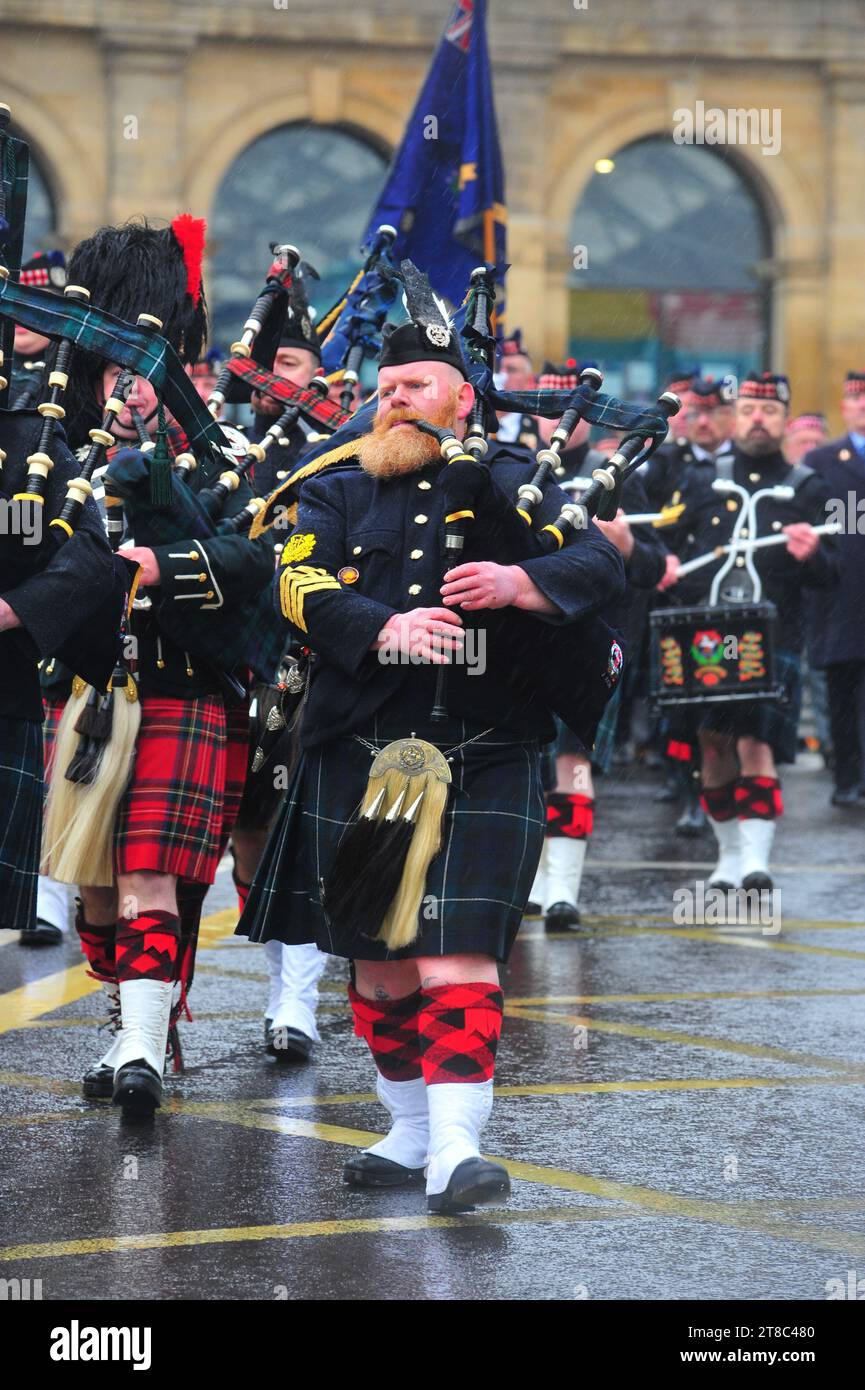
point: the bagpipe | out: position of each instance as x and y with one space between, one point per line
573 669
350 332
376 882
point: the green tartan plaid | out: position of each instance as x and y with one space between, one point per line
112 339
246 633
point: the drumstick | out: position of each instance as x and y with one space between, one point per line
831 528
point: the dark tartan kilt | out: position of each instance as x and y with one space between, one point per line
775 722
20 820
477 885
178 810
53 711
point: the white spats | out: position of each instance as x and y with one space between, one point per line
111 995
52 902
757 837
145 1007
407 1141
458 1112
728 869
564 861
294 975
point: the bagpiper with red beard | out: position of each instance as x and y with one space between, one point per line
362 584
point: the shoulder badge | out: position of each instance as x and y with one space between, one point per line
297 547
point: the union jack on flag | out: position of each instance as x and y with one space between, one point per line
459 26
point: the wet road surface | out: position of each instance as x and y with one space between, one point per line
680 1107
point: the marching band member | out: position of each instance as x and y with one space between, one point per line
48 599
837 626
294 971
362 583
742 743
678 474
570 805
189 759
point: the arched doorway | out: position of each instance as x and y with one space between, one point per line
311 185
667 247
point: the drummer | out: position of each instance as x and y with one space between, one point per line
743 742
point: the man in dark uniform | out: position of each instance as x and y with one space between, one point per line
680 475
571 799
837 627
742 743
362 584
517 374
48 596
186 775
294 971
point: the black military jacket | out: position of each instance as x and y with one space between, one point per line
785 580
200 580
837 618
61 595
364 549
646 562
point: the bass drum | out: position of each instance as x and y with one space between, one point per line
712 655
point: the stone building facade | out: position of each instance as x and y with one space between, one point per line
575 81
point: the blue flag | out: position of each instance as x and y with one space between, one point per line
445 190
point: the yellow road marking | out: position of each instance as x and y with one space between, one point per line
379 1225
644 1199
29 1001
47 1084
682 996
713 934
638 1030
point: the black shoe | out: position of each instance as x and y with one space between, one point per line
692 821
533 909
288 1045
562 917
371 1170
759 880
138 1090
841 796
42 934
472 1183
98 1083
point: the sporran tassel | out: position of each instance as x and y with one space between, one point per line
78 837
377 880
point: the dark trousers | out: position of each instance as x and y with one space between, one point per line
846 682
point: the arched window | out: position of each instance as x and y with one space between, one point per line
313 186
667 248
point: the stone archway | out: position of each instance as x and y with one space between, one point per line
788 195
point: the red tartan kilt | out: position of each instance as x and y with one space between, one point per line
187 781
53 711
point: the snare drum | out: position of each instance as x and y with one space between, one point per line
709 655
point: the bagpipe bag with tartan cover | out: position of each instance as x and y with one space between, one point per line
226 633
